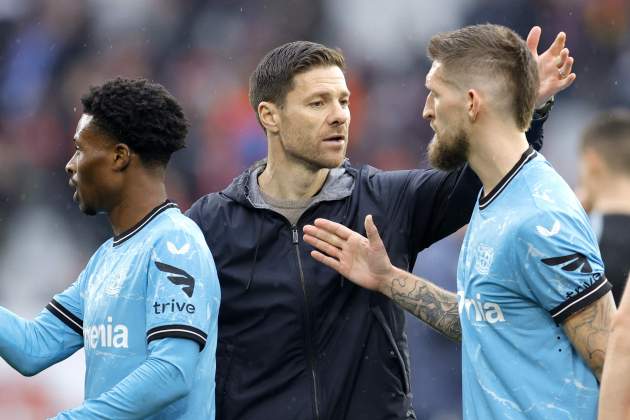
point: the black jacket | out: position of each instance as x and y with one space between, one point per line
297 341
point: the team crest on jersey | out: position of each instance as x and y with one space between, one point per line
115 284
483 259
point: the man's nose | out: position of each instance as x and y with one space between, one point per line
70 166
339 114
427 111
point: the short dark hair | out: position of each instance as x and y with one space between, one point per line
491 51
609 135
273 77
141 114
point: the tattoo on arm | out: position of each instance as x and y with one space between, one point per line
433 305
589 329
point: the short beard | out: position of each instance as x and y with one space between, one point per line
450 152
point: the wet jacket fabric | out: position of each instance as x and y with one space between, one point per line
296 340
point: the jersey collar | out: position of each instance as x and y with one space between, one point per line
119 239
526 157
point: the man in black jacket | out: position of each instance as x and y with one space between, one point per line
296 341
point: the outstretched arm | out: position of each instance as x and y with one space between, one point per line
163 378
365 262
433 305
32 346
57 332
614 402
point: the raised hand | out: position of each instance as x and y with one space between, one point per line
362 260
554 65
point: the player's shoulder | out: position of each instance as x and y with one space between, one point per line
174 225
546 191
548 199
100 252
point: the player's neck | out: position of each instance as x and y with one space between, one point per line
613 197
494 152
286 179
135 202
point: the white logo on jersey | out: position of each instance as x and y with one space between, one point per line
489 312
114 286
173 249
483 260
106 335
547 233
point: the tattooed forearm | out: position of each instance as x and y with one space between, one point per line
589 329
433 305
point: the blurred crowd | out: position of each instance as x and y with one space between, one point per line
203 51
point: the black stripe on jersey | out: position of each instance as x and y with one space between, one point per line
485 201
178 331
65 316
119 239
581 300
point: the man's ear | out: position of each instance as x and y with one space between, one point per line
269 116
474 103
122 157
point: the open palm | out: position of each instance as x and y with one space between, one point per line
362 260
554 65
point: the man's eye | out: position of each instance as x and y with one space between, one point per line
317 104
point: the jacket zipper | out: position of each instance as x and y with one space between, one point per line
309 342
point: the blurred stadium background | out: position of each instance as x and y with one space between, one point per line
203 52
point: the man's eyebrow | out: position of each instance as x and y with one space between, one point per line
322 93
326 94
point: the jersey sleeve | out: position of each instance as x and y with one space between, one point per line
56 333
67 306
559 259
163 378
182 290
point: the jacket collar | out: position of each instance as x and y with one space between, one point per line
244 188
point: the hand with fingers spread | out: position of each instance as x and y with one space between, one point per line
362 260
554 65
365 262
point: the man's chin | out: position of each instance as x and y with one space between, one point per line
335 163
326 162
443 159
89 211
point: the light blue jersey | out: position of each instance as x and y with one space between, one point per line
529 260
156 281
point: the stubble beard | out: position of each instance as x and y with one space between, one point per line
315 159
449 151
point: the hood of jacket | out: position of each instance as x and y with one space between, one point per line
244 189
